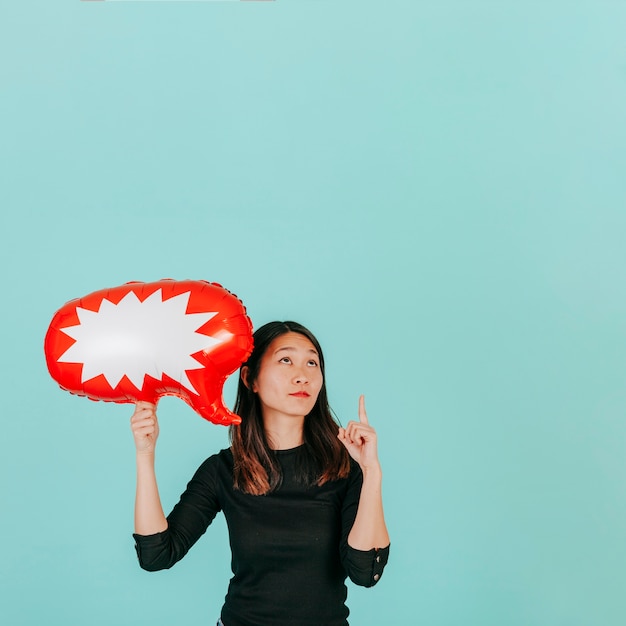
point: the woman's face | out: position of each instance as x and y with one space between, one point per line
289 378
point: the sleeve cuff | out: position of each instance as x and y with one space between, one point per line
150 541
365 567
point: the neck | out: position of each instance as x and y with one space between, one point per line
284 433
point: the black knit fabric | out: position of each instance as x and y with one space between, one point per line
290 555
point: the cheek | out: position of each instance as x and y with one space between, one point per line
319 383
266 384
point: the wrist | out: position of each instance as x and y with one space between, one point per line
372 472
145 457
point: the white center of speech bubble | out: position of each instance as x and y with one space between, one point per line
135 338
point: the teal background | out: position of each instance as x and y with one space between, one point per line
436 188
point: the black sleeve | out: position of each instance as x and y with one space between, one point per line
364 567
187 522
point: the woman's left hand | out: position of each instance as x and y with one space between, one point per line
360 440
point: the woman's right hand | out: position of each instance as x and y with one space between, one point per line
145 427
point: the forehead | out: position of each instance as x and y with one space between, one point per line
291 342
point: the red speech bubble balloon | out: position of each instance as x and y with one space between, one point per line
142 341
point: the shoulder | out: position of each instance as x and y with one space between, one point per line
217 463
348 487
223 457
355 471
354 480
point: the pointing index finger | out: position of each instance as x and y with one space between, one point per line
362 414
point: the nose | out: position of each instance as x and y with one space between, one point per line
300 377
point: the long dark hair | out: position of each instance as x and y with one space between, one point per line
256 468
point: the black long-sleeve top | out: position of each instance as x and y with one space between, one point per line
290 554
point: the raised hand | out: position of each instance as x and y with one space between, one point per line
145 427
360 440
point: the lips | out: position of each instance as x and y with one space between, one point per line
300 394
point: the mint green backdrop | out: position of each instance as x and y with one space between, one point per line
436 188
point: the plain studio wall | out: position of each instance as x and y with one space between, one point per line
436 189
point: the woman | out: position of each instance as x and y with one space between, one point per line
301 496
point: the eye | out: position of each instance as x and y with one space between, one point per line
285 359
312 362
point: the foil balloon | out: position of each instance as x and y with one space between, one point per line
142 341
